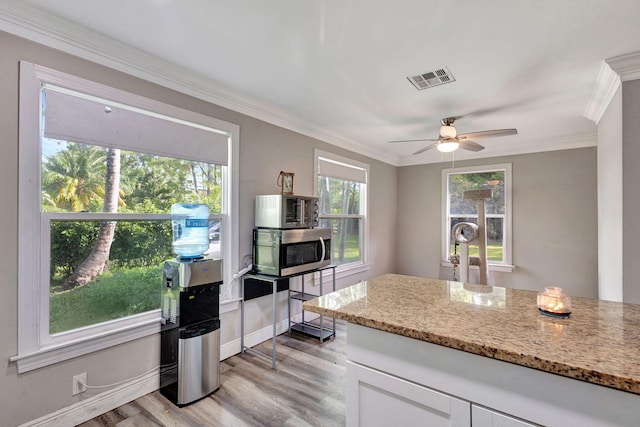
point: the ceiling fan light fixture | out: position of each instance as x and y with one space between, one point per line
447 131
449 140
448 146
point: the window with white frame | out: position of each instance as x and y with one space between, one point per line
99 171
342 190
457 209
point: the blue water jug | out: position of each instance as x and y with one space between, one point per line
190 223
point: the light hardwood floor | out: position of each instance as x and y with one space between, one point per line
306 389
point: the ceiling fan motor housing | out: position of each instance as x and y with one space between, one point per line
448 132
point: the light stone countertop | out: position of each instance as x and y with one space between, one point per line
599 343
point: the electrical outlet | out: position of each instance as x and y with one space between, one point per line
79 383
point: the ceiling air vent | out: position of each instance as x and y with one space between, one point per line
432 78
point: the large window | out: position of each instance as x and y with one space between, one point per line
341 187
496 178
99 171
105 257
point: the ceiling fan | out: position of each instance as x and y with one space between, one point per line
449 139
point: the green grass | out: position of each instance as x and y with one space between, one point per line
351 250
115 294
494 252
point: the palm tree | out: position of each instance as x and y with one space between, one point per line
74 177
97 261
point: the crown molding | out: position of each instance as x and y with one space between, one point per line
33 24
613 72
605 88
626 66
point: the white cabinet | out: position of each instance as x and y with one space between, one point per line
396 380
483 417
378 399
375 398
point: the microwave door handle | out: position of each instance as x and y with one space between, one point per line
301 212
323 249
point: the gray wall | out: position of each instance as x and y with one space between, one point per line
554 221
264 151
631 189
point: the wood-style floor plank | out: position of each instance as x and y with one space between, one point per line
306 389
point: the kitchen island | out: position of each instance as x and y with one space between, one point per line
459 354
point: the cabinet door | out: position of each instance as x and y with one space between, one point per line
375 398
482 417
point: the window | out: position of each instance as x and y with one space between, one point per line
106 266
342 190
497 210
99 171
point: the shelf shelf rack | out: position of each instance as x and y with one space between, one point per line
319 331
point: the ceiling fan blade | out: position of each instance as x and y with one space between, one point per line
414 140
488 134
422 150
470 145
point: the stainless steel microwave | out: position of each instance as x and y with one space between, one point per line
286 211
286 252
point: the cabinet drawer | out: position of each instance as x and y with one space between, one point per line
375 398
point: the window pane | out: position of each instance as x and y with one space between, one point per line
74 179
345 239
459 183
338 197
215 227
495 238
129 282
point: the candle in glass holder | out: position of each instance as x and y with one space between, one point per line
553 302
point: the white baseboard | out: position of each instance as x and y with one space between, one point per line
97 405
104 402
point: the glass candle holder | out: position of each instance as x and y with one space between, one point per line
554 302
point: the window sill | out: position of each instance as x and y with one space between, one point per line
346 270
501 268
50 355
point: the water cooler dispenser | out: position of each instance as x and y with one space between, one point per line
190 331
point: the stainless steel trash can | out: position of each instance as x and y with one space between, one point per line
198 361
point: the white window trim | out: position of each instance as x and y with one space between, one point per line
507 264
362 265
33 352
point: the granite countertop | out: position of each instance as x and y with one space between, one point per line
599 343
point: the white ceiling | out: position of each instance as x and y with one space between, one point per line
337 69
